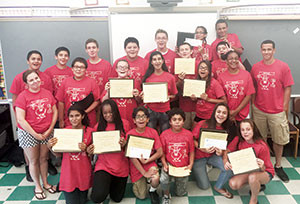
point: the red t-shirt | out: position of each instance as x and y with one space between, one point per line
135 175
138 68
37 107
76 168
169 57
196 54
177 146
204 109
100 72
270 81
261 150
58 76
72 90
172 90
196 131
232 38
218 67
18 85
114 163
237 87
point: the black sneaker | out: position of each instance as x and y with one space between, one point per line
154 197
28 176
262 188
51 169
281 174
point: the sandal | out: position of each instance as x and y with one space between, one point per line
224 192
51 189
39 195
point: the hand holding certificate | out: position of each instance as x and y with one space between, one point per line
121 88
137 146
155 92
215 138
179 171
193 87
67 140
106 141
243 161
186 65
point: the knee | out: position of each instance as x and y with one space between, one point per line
202 186
234 185
252 178
98 197
139 191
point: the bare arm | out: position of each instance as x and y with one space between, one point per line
92 106
54 119
244 102
61 112
286 98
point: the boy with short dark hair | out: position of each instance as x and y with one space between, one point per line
178 147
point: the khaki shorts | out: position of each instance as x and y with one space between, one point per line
189 120
276 124
140 187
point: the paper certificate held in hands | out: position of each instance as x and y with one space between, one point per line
137 146
67 140
193 42
178 171
106 141
155 92
243 161
186 65
193 86
121 88
216 138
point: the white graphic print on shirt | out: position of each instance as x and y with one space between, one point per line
265 80
40 107
235 88
58 79
178 151
75 94
96 75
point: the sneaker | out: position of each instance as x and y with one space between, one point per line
262 188
154 197
51 169
28 176
281 174
166 199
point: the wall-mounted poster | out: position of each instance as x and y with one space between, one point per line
3 94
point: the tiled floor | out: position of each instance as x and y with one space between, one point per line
14 189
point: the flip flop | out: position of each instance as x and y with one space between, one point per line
51 189
226 193
41 197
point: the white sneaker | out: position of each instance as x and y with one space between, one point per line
166 199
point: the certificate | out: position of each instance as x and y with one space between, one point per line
193 42
193 86
155 92
186 65
106 141
216 138
178 171
121 88
67 140
243 161
137 146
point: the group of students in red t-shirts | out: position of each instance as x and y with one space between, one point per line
224 105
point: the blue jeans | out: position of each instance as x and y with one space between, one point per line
200 173
158 117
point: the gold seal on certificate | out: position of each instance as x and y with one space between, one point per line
193 86
106 141
155 92
216 138
137 146
121 88
67 140
178 171
243 161
186 65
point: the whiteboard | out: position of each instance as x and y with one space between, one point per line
144 26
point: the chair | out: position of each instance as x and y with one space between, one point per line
294 128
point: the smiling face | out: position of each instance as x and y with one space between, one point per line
122 69
247 132
221 115
221 29
62 57
232 61
141 120
35 62
267 52
132 50
107 113
33 82
161 40
222 50
157 62
79 70
200 34
92 50
185 51
75 119
203 71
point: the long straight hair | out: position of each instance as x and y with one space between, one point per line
150 69
208 81
115 114
256 134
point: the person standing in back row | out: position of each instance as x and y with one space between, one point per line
273 81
